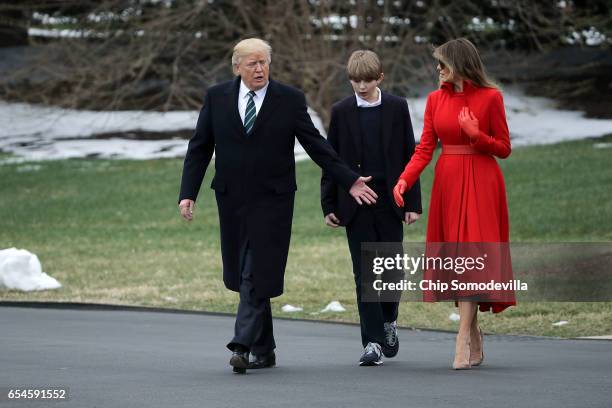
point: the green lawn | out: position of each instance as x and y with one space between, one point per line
109 231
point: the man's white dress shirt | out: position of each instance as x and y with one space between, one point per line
243 98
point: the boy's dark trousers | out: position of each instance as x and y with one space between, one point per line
373 223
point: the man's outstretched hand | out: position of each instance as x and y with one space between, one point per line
361 192
186 208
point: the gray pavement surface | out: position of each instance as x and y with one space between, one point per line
118 358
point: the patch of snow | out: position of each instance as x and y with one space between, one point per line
591 37
34 132
21 270
25 121
58 33
333 306
114 148
454 317
52 20
291 309
531 120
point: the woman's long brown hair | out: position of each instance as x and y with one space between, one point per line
462 59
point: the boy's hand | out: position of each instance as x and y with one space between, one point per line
411 217
332 221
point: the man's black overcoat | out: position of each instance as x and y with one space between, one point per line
254 178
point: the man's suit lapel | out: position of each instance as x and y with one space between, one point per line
270 102
355 128
231 106
387 122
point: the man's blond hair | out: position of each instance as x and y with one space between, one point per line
364 65
249 46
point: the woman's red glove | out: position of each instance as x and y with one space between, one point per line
398 191
469 123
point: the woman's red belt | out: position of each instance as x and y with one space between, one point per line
460 149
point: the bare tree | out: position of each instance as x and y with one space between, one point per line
146 54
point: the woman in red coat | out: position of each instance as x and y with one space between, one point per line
468 197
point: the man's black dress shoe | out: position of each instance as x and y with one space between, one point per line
262 361
240 360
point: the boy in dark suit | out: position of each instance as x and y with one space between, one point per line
372 132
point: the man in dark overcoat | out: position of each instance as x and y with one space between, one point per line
251 123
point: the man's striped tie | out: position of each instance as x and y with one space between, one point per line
250 114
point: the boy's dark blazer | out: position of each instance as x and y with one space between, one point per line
346 138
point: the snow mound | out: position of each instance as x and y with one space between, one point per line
291 309
454 317
333 306
21 270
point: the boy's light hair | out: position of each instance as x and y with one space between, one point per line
249 46
364 65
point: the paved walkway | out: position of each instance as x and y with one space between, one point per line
150 359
